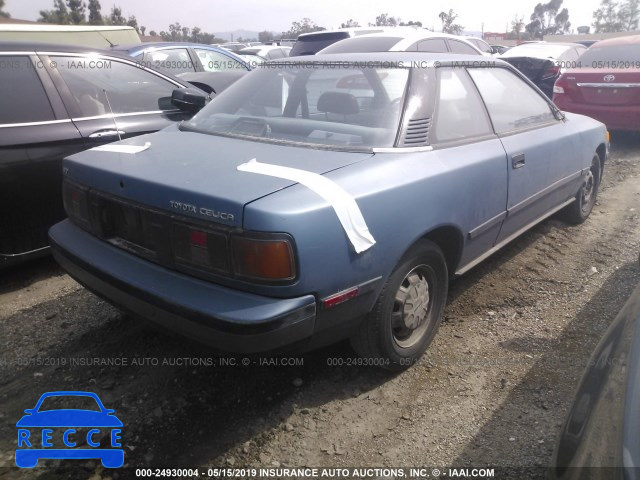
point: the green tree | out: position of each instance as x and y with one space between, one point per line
606 18
448 22
59 14
95 13
306 25
265 36
384 20
116 17
548 19
411 23
2 12
133 22
350 24
629 14
153 33
76 11
517 26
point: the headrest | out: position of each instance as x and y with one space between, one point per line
338 102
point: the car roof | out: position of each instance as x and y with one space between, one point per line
146 46
626 40
405 59
536 49
357 30
48 47
406 38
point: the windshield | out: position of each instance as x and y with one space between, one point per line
338 105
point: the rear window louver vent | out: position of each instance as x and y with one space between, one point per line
417 132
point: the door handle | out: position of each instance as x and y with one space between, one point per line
106 133
517 161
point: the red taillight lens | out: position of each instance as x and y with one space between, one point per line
200 248
76 202
551 71
263 259
559 88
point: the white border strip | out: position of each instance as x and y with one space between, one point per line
344 204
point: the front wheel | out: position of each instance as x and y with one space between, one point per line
579 210
408 311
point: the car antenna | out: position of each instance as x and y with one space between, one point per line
113 117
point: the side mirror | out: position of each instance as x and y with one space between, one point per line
190 99
29 411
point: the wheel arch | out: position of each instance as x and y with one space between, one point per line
449 239
602 154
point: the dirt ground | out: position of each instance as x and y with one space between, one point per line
492 390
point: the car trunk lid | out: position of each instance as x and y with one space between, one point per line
535 69
196 175
598 87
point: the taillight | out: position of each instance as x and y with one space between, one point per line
76 202
551 71
200 248
263 258
560 85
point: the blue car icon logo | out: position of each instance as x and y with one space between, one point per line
69 433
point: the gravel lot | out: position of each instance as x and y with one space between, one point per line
492 390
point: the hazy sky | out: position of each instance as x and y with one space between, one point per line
277 15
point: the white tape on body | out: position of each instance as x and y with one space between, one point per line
344 204
132 149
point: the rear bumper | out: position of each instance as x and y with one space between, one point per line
224 318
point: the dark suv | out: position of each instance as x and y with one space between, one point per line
59 100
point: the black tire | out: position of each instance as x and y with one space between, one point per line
586 197
393 337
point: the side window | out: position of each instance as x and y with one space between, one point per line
460 47
170 60
213 61
459 111
22 96
482 46
129 89
436 45
512 103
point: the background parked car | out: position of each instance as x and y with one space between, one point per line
278 229
312 43
542 62
480 44
606 86
499 49
58 103
181 57
265 52
600 437
412 41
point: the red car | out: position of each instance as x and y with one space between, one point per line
605 85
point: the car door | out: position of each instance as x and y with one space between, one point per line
463 133
111 98
35 134
542 151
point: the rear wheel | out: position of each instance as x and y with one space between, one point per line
407 314
579 210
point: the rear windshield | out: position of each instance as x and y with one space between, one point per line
613 53
333 105
312 44
363 44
